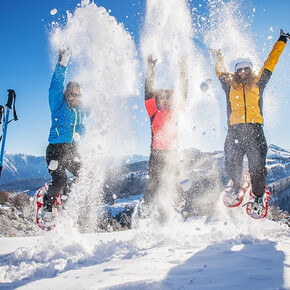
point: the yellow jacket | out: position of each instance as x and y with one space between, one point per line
244 104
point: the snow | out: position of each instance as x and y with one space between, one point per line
226 251
53 11
277 152
104 61
202 253
185 184
120 204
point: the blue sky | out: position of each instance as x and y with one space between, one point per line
26 66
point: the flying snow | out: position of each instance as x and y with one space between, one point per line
53 11
104 62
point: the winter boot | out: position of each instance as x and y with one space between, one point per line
258 207
46 214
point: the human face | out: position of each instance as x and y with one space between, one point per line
164 99
244 72
73 96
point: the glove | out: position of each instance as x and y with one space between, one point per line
216 52
63 56
151 63
282 33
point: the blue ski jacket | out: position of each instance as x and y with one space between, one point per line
66 121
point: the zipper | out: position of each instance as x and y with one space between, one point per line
245 106
56 130
74 129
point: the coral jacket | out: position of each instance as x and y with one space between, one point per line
164 127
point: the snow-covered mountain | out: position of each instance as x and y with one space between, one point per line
23 167
278 163
27 173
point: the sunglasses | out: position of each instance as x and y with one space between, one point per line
245 69
74 95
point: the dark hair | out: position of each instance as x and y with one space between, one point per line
248 81
169 93
71 85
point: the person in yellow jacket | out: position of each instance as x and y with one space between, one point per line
244 94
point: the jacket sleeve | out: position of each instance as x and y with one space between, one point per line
220 66
149 84
57 87
269 65
222 74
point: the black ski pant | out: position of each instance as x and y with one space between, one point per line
68 158
249 140
161 161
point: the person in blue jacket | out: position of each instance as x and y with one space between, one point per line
67 126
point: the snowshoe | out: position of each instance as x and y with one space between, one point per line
257 207
144 209
181 206
233 197
45 216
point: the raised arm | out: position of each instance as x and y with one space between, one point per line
56 88
220 68
149 80
273 58
184 75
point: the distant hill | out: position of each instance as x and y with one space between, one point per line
26 173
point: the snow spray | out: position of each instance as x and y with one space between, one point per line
168 35
104 63
228 28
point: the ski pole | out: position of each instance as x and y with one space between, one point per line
11 98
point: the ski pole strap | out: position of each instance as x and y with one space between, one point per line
12 99
2 117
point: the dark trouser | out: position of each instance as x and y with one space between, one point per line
68 158
249 140
159 161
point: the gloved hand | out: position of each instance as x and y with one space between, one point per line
63 56
216 52
282 33
150 62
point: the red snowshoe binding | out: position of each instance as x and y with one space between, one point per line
232 197
44 222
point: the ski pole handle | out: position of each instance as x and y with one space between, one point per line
11 97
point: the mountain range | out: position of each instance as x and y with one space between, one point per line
26 173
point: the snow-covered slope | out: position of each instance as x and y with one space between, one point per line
278 163
230 251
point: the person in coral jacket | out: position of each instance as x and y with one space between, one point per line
244 94
162 108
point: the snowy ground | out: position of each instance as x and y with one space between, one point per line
229 251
